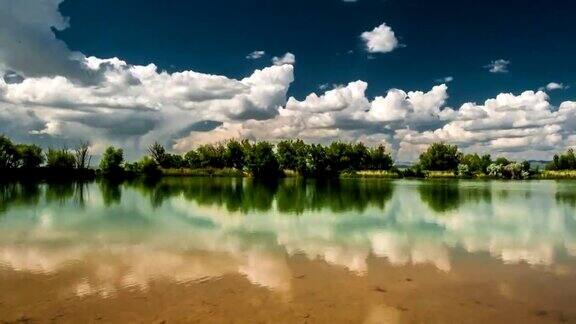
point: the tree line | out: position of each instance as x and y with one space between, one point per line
264 159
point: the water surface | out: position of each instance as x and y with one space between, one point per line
223 250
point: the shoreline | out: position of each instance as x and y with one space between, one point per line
56 174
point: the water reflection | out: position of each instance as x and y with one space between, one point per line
187 229
288 196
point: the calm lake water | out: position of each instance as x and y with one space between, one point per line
235 250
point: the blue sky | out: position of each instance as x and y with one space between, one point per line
76 70
441 38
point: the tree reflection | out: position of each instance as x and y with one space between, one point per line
64 191
292 195
18 194
110 190
446 195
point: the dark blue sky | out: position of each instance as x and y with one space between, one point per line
442 38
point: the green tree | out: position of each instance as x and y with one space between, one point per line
112 159
476 163
192 159
148 167
318 163
29 155
234 155
502 161
380 159
60 159
440 157
293 155
8 153
158 153
565 161
261 160
211 156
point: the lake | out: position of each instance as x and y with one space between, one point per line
236 250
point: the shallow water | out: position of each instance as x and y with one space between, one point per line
233 250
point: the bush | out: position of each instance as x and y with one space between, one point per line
464 170
149 167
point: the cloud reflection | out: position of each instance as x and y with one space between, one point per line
186 230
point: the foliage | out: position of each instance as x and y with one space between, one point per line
294 155
565 161
318 163
148 167
502 161
261 160
476 163
440 157
512 170
380 159
192 160
158 153
60 159
8 153
112 159
29 156
234 155
464 170
211 156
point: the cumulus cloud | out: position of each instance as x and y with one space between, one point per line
554 86
255 55
523 126
498 66
287 58
380 40
28 45
72 97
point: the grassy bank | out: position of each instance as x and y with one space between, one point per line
386 174
440 175
566 174
204 172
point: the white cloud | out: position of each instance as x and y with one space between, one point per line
287 58
520 126
445 79
255 55
554 86
110 101
380 40
498 66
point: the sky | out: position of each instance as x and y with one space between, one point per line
492 76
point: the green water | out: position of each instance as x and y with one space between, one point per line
345 222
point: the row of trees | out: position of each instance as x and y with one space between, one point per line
444 157
564 161
264 158
30 156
